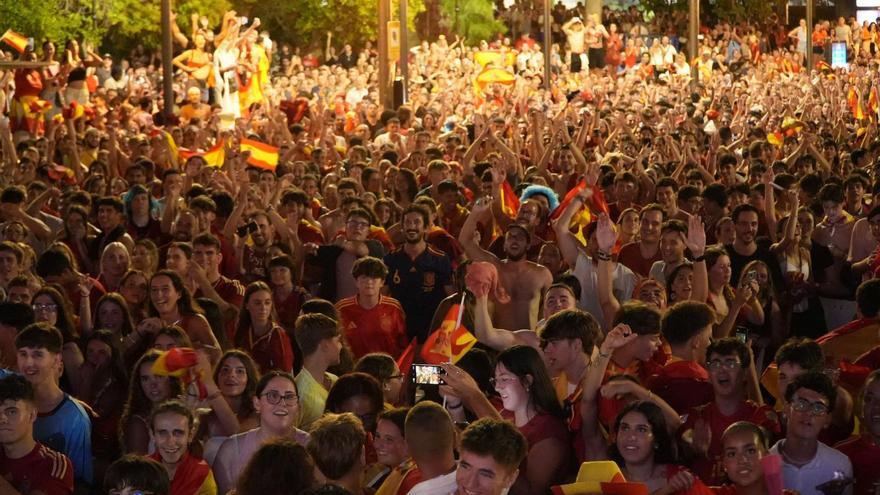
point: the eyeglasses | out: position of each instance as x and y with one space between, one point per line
504 380
815 408
730 364
274 398
45 307
358 225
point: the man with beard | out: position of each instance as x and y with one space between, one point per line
90 145
419 276
523 280
255 257
171 430
745 247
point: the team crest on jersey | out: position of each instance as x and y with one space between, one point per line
385 322
429 279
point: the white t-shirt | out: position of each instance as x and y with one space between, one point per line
441 485
622 288
822 468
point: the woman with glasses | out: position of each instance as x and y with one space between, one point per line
145 390
383 368
258 333
277 404
530 402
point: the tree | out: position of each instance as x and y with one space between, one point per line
137 21
475 19
55 20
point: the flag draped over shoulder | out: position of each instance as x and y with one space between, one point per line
448 344
262 155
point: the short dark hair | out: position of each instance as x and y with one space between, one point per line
817 382
572 324
716 193
417 208
642 318
743 208
203 202
497 438
760 433
811 184
40 336
684 320
15 387
805 353
832 192
111 201
674 225
279 463
311 329
361 213
336 443
53 263
172 407
729 346
570 282
207 239
13 194
868 298
667 182
397 416
13 248
687 192
428 430
16 315
295 196
137 472
447 186
369 266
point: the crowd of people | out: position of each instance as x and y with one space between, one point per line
677 274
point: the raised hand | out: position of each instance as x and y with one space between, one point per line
618 337
696 236
482 206
606 234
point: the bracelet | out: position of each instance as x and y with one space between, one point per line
700 259
457 406
603 355
603 256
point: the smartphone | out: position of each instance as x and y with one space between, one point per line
751 276
426 374
742 334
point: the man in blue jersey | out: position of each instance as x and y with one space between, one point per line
62 423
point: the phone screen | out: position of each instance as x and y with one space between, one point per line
426 374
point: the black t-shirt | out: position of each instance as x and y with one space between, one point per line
762 253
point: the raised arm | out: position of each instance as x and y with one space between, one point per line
606 237
696 243
467 236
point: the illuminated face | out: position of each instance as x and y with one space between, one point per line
390 445
672 246
259 305
155 388
649 227
163 294
278 405
16 420
171 433
747 226
635 438
232 377
482 475
741 457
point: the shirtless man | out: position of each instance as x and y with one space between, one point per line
865 240
835 231
574 31
524 280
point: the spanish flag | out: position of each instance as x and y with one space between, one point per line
14 40
775 138
214 156
596 204
73 111
509 201
172 149
873 103
492 76
38 105
855 104
448 344
262 155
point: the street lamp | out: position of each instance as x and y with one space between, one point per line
167 75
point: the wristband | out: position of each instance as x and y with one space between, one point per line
603 355
457 406
700 258
603 256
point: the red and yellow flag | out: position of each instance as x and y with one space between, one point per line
38 105
262 155
775 138
509 201
14 40
213 156
855 104
583 218
873 103
448 344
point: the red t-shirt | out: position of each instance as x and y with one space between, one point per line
43 469
682 384
631 257
272 351
230 291
711 469
864 454
379 329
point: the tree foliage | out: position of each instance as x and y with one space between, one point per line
475 21
139 21
305 23
56 20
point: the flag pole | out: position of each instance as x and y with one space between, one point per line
457 324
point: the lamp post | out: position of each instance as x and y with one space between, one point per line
693 32
403 63
384 73
167 76
809 35
547 42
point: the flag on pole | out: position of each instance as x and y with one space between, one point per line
15 40
450 342
262 155
509 201
407 357
873 103
213 156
